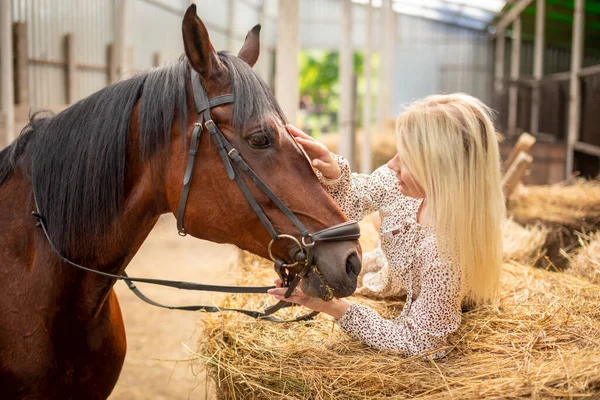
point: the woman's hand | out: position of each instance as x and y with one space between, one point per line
319 154
336 307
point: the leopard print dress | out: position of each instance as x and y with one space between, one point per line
407 263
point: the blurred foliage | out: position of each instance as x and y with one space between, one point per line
319 75
320 88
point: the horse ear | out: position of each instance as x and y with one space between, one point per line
198 48
251 48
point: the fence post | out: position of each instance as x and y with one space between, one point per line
71 71
538 63
20 63
111 62
157 59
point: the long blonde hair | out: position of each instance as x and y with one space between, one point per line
448 143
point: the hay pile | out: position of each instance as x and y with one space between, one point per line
586 259
541 341
524 244
574 204
565 209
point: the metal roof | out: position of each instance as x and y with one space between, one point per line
475 14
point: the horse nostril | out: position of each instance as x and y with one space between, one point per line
352 265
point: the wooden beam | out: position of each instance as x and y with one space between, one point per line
123 36
511 15
288 47
366 157
575 84
6 68
538 63
230 25
593 70
515 65
387 35
346 69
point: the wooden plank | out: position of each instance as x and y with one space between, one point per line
524 144
574 84
70 70
511 15
515 173
515 65
538 63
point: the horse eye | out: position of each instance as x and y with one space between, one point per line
259 141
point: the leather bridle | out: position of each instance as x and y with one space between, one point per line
290 273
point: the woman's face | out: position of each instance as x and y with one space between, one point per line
407 185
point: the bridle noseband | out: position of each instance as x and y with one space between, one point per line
290 273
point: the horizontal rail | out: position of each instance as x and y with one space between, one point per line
63 64
587 148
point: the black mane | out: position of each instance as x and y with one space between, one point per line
77 159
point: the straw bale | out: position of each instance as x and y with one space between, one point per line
586 259
542 340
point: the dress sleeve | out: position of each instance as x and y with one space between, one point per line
425 326
358 194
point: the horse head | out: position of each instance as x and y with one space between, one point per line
254 125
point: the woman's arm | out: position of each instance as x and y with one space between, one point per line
425 326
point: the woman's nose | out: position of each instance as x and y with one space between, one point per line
394 164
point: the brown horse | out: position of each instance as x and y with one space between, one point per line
102 172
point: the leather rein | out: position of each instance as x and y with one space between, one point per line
290 273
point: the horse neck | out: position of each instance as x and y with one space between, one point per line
141 210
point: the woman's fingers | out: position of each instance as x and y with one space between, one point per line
313 149
297 295
297 132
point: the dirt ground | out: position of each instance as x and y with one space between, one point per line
155 336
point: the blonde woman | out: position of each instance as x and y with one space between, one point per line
441 207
